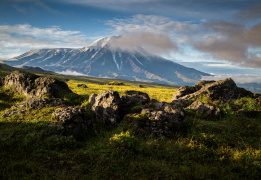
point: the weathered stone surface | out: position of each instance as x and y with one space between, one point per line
205 108
33 86
40 103
224 89
34 104
160 105
92 99
161 123
107 107
11 113
180 102
76 121
134 98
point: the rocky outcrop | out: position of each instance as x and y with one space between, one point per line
133 98
76 121
13 112
162 121
107 107
40 103
92 99
33 86
224 89
34 104
205 108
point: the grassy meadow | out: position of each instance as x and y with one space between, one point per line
32 145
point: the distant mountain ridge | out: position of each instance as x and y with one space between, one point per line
100 60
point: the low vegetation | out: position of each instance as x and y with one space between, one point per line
225 147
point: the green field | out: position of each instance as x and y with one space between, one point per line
227 147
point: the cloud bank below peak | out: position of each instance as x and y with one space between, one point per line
150 42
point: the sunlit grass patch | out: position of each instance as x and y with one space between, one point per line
156 92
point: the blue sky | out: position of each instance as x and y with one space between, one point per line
215 36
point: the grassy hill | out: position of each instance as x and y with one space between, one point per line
226 147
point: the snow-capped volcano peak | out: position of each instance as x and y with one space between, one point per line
101 43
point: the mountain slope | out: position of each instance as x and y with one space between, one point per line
101 60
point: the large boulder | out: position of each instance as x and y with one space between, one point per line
161 122
33 86
76 121
133 98
107 107
224 89
205 108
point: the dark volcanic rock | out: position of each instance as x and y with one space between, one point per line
34 104
133 98
33 86
92 99
107 107
76 121
224 89
40 103
82 85
205 108
11 113
162 123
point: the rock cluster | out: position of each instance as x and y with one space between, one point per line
162 119
76 121
224 89
33 86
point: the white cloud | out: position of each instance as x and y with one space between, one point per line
150 42
15 40
238 78
72 73
235 43
151 23
161 33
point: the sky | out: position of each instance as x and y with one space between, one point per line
222 37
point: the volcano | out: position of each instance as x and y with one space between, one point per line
99 59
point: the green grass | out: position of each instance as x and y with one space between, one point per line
32 145
159 92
